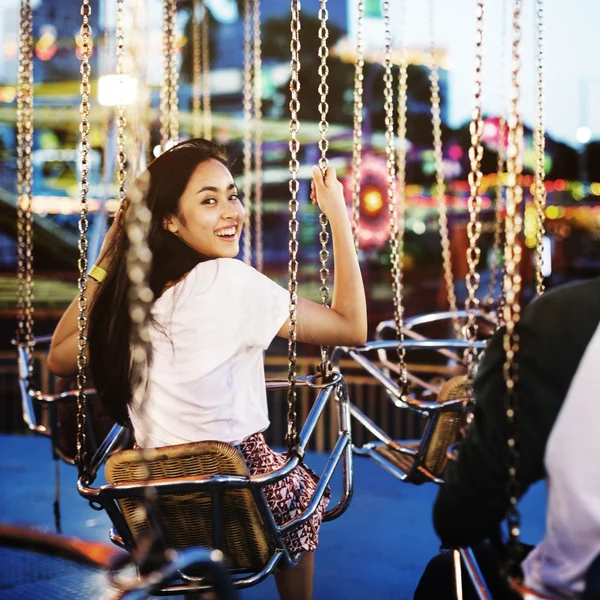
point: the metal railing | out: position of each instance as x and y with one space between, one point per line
364 391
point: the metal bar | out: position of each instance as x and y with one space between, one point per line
421 382
326 475
417 336
110 442
475 575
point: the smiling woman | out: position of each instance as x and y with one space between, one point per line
212 318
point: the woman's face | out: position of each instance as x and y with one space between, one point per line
211 215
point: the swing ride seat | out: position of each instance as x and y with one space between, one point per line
68 567
413 461
466 557
55 415
203 495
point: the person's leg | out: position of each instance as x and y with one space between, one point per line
297 583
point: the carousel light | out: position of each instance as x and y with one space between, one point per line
583 134
116 89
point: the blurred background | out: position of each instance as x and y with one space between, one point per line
572 151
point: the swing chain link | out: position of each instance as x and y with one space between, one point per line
540 147
247 152
24 182
292 437
173 73
512 285
165 91
196 66
205 40
358 120
440 185
325 368
394 209
474 203
258 209
121 121
82 303
489 299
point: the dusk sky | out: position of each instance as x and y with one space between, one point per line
572 65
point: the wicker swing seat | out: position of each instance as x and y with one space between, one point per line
414 461
55 415
202 494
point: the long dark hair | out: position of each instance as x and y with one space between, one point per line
109 324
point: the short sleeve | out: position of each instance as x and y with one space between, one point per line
264 304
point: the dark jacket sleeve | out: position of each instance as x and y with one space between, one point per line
554 333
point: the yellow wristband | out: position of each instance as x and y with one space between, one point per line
97 273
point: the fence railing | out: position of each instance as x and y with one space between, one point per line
363 390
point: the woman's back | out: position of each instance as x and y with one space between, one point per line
206 380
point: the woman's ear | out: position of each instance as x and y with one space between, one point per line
169 223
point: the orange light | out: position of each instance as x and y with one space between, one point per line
372 202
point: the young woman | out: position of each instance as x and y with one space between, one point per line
212 317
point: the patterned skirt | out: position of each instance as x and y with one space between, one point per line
288 497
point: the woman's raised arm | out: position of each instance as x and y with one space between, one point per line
345 323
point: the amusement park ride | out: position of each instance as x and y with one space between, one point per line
168 508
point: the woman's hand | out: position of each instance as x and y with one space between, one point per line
328 193
109 244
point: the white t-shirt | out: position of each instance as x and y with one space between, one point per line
207 378
557 565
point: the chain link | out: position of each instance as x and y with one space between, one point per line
205 40
358 118
24 181
165 90
540 147
196 66
474 225
82 303
292 437
258 229
489 299
326 368
440 184
173 74
395 204
248 99
512 282
121 121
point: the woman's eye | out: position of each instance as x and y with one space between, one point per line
209 201
234 197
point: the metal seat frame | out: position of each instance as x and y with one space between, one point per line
106 496
416 449
32 397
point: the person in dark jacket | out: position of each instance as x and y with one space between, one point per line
558 424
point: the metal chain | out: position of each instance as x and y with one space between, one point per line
121 121
540 147
512 283
173 74
24 181
206 110
395 243
196 82
292 437
474 225
498 206
82 303
326 368
489 299
358 118
247 101
440 187
165 90
258 210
